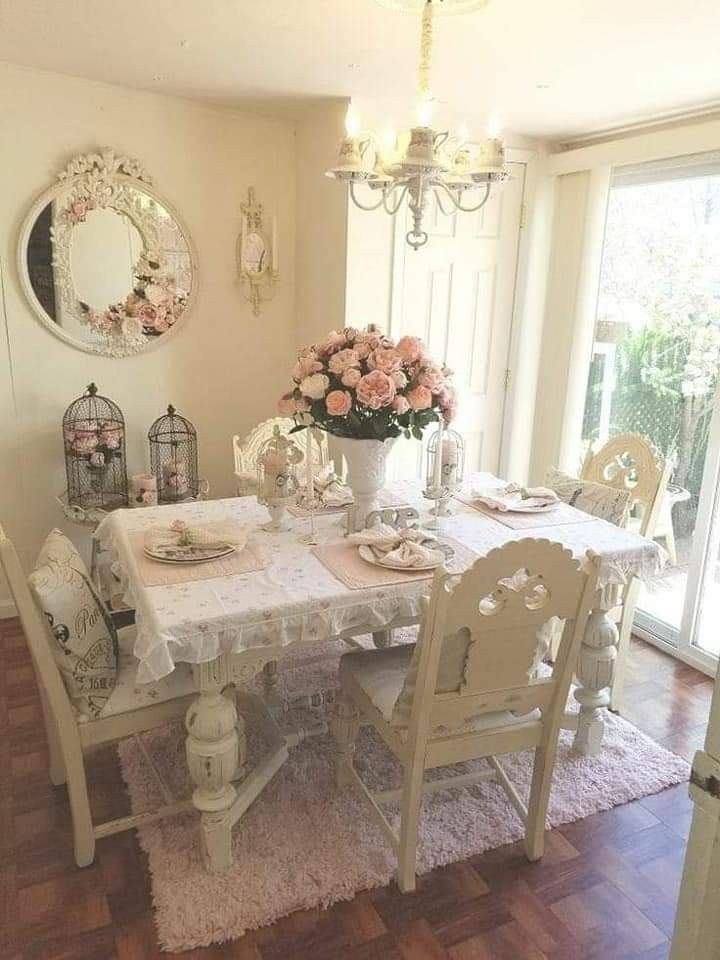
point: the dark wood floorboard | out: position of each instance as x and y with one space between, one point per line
606 888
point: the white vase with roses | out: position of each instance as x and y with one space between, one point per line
366 390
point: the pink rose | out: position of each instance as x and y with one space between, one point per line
410 349
376 390
362 349
420 398
351 378
84 443
155 294
338 403
343 360
286 405
306 367
332 343
400 405
97 459
315 387
386 359
399 379
103 320
146 314
447 398
431 377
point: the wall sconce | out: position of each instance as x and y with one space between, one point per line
257 254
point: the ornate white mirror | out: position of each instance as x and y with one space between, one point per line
257 254
105 262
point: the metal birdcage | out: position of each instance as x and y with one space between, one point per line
94 441
174 457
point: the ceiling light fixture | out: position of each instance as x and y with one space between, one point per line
421 162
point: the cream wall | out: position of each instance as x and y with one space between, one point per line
322 219
225 368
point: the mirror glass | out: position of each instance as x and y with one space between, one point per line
254 253
113 270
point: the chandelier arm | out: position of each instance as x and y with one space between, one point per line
438 200
364 206
456 202
400 193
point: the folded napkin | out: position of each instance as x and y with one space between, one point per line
408 547
205 536
512 496
331 489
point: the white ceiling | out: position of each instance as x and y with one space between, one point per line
552 69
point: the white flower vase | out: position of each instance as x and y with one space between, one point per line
366 460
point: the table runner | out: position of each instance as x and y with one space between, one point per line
560 514
154 573
344 562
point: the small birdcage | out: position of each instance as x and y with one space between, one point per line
174 457
277 481
94 441
445 476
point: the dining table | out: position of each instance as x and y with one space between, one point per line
233 624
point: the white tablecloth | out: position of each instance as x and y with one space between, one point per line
295 598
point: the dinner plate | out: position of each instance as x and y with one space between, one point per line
367 554
193 554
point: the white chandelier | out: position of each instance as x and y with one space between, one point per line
421 162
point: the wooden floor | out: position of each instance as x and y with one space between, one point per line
605 889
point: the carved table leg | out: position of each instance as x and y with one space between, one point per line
215 747
594 671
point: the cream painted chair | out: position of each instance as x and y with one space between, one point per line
469 688
129 711
630 462
246 452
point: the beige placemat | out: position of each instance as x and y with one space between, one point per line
561 513
153 573
346 564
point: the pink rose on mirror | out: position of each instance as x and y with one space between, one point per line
156 294
146 314
286 405
386 359
161 321
338 403
133 303
376 390
400 405
306 367
316 386
177 310
399 379
419 398
410 349
97 459
132 328
343 360
101 320
351 378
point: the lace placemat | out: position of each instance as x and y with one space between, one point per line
154 573
346 564
561 513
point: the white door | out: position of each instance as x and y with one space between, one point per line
457 293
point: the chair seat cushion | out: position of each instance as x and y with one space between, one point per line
380 674
130 695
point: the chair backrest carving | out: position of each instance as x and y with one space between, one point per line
247 450
482 640
37 636
631 462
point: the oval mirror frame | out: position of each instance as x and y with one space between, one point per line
103 174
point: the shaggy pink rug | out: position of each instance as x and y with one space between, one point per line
305 844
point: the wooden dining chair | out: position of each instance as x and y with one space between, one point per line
630 462
71 736
472 686
247 450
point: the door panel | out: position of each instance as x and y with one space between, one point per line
457 294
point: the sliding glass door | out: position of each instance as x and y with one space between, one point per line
654 371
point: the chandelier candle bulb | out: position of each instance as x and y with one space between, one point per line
491 155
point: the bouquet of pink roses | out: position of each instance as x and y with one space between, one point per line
361 384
